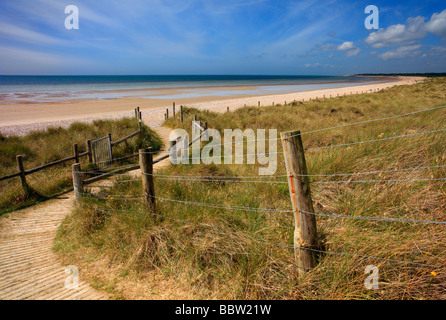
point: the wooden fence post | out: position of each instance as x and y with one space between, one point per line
22 173
305 232
227 109
140 122
167 113
77 181
181 114
146 165
173 110
76 153
90 154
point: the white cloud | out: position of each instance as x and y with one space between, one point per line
437 24
438 51
347 45
400 52
317 65
15 33
351 49
22 61
398 34
408 34
353 52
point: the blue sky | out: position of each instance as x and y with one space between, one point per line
221 37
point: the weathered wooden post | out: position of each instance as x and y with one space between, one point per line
299 185
109 137
139 121
146 165
227 109
76 153
22 173
89 152
167 113
77 181
259 103
206 130
173 109
181 114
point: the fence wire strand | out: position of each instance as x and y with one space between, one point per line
375 140
282 245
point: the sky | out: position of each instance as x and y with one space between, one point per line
257 37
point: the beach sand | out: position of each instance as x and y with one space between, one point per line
19 118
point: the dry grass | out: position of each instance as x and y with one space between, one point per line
40 147
203 253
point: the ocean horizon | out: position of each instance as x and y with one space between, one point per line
56 88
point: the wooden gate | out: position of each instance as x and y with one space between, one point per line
102 152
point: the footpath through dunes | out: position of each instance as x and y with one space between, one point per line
29 269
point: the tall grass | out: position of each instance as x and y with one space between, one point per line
236 254
41 147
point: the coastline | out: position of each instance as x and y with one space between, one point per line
22 118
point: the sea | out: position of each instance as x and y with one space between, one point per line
16 89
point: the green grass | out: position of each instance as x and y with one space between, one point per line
212 252
41 147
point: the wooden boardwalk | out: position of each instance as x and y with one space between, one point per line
28 267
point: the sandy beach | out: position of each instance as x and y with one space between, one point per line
21 117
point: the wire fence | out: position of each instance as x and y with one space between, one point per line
262 179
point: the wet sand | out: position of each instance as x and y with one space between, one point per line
21 117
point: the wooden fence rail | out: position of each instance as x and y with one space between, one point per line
76 157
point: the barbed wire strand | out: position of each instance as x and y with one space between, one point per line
284 245
244 208
378 181
339 126
375 140
372 218
222 178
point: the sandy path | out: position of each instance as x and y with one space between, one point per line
29 269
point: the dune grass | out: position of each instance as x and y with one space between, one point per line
208 253
41 147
